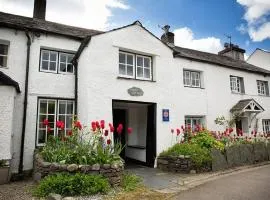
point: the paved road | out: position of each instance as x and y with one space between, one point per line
250 185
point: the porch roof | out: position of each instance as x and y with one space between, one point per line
247 105
6 80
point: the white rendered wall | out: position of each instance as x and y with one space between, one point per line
99 83
260 58
7 96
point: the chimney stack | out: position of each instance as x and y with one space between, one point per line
39 9
167 37
232 51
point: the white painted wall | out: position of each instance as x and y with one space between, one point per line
99 83
260 58
7 94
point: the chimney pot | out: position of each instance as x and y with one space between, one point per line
39 9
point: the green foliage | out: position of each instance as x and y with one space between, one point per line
2 163
130 182
205 140
200 156
71 185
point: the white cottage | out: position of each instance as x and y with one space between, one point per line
53 71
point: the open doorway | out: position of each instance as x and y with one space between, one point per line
141 143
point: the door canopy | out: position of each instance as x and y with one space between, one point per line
247 106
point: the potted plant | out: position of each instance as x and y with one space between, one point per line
4 172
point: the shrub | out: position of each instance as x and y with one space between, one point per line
71 185
130 182
206 140
200 156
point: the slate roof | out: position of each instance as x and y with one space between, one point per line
38 25
242 104
6 80
220 60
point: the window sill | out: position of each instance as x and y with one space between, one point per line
186 86
131 78
238 93
136 146
51 72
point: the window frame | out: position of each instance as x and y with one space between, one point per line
241 84
133 67
66 63
135 77
56 116
191 79
265 88
266 127
57 69
193 117
143 67
4 56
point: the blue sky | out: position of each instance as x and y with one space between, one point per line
197 24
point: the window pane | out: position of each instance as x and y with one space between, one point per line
69 121
70 68
139 61
51 107
122 58
3 49
62 118
51 118
43 107
139 71
62 67
45 55
129 70
62 108
69 108
53 66
63 58
146 73
122 69
45 65
70 57
130 59
147 62
41 136
53 56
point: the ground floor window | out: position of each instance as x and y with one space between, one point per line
193 121
53 110
266 125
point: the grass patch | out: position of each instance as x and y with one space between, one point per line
130 182
72 185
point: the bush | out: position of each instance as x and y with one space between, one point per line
206 140
200 156
130 182
71 185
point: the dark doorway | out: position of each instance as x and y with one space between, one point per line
119 117
141 143
238 125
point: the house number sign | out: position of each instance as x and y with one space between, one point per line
134 91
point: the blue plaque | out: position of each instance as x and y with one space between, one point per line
165 115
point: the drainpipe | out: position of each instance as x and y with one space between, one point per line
25 104
74 61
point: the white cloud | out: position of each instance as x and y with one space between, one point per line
184 37
257 14
83 13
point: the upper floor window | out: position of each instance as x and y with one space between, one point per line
53 110
266 125
237 84
3 55
56 62
192 78
263 88
135 66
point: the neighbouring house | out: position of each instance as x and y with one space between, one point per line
260 58
126 75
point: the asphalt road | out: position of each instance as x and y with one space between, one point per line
249 185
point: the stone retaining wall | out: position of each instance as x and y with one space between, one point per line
175 164
112 171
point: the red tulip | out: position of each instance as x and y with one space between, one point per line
106 133
60 125
178 131
49 129
97 124
129 130
46 122
94 127
109 142
69 133
78 125
102 124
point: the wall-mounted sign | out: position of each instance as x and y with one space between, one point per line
165 115
134 91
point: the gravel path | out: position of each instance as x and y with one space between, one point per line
19 190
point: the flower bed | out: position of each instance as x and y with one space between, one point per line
112 171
